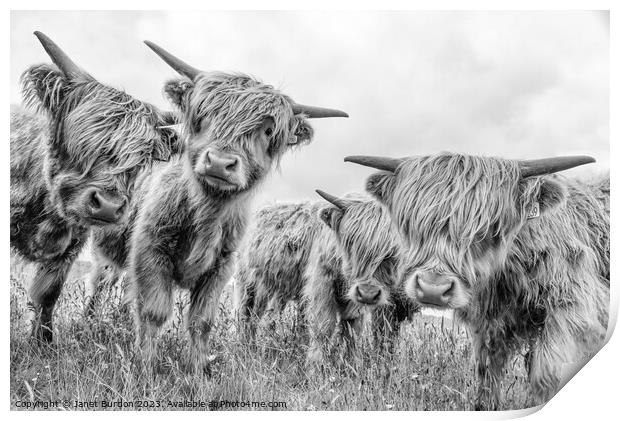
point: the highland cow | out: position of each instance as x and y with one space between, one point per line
353 272
272 261
339 263
190 213
73 164
521 255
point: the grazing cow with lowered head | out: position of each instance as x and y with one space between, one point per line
339 262
353 270
521 255
73 164
190 213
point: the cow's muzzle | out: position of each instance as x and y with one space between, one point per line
433 288
368 294
220 168
103 208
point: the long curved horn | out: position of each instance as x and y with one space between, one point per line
176 63
336 201
544 166
59 57
378 162
317 112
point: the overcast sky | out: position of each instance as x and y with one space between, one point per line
512 84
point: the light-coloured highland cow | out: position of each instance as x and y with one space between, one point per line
74 160
521 255
339 263
190 213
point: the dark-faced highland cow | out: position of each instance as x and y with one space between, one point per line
521 255
74 160
353 270
190 213
339 263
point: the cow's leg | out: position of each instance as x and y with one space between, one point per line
322 318
154 305
261 304
121 276
246 293
95 285
274 308
544 364
44 291
300 321
491 358
555 347
350 330
204 302
268 325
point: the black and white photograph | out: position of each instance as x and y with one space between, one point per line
304 210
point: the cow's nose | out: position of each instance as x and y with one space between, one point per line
220 164
433 288
367 294
103 208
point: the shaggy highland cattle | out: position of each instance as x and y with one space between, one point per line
190 213
521 255
339 263
73 164
272 261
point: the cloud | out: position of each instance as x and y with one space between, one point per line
514 84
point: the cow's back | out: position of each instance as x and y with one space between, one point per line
590 203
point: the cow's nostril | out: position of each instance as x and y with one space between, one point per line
232 165
95 201
376 296
449 291
121 208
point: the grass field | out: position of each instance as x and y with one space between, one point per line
96 361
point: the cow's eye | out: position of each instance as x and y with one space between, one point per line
268 131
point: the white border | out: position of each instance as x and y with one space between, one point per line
592 393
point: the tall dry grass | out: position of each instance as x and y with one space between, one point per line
95 360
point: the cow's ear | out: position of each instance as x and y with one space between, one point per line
169 130
303 132
178 91
331 216
381 186
171 144
171 133
552 194
44 88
